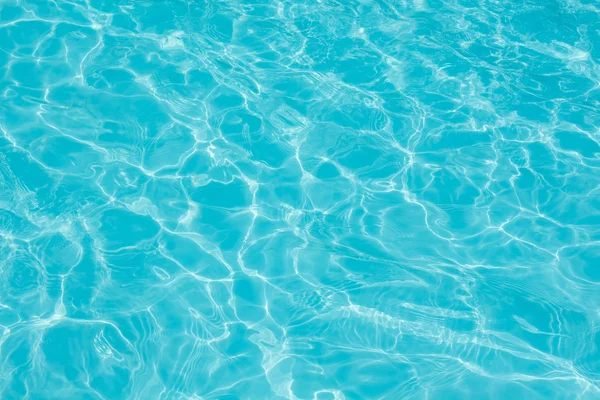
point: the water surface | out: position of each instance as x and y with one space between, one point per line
299 199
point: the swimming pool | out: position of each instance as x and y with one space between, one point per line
313 199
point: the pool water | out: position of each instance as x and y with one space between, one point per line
299 199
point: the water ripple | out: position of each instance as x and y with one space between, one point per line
315 199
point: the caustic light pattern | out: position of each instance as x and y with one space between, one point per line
299 199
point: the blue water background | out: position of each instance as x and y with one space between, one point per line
299 199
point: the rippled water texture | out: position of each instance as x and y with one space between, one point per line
299 199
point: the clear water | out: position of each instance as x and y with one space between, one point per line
299 199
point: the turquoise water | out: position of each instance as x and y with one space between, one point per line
313 199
